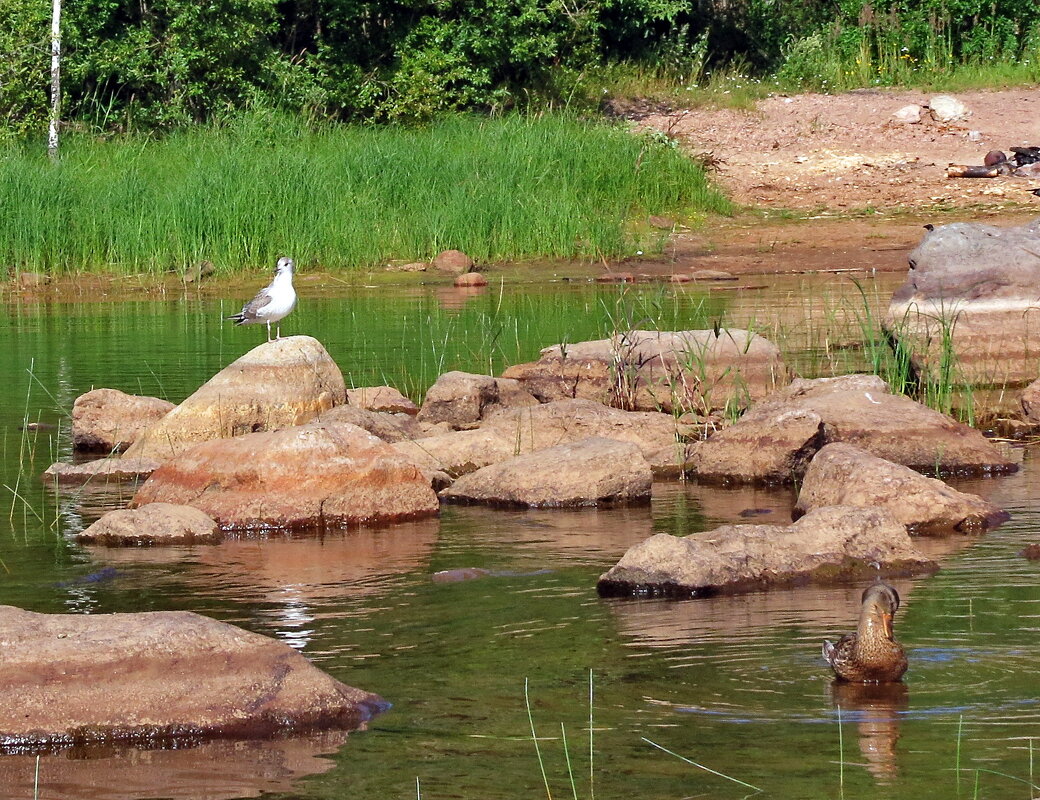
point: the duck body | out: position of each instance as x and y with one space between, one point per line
871 654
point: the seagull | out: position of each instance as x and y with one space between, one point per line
273 303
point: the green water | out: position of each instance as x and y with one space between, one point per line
735 684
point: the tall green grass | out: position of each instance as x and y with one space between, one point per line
343 197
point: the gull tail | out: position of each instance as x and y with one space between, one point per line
238 318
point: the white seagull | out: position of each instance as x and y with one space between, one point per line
273 303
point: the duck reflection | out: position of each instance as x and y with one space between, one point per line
876 709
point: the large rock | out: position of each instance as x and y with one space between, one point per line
1030 401
590 472
458 452
315 475
276 385
108 420
700 371
970 308
563 421
87 678
155 523
842 474
775 440
462 399
381 398
103 470
829 544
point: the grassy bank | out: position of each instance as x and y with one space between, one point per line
345 197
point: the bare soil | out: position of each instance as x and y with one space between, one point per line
835 182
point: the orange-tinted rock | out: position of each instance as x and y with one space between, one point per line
275 385
453 261
615 277
463 399
92 678
471 279
104 470
152 524
314 475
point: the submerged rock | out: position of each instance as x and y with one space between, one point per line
841 474
103 470
275 385
315 475
590 472
699 371
775 440
108 420
71 679
830 544
154 523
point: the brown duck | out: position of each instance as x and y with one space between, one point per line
871 654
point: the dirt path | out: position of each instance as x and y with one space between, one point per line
859 184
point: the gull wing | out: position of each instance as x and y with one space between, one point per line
251 310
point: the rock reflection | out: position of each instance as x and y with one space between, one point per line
876 709
454 298
210 771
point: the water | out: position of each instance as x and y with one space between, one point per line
733 683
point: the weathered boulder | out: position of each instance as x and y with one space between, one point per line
108 420
842 474
946 109
826 545
593 471
699 371
470 279
87 678
104 470
458 452
275 385
315 475
775 440
453 261
155 523
564 421
388 427
972 296
463 399
381 398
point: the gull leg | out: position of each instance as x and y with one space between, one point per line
268 331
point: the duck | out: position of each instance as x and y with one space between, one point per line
272 303
871 654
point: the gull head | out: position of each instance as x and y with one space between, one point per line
284 265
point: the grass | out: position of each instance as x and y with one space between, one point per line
550 185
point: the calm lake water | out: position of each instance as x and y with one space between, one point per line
735 684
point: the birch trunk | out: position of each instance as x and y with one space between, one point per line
52 133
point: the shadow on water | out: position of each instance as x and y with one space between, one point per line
734 683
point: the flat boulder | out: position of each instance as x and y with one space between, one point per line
388 427
590 472
700 371
463 399
381 398
842 474
315 475
71 679
832 544
775 441
276 385
1030 402
563 421
972 297
117 469
458 452
152 524
108 420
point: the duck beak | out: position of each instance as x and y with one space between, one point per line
886 624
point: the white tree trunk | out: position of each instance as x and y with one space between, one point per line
52 133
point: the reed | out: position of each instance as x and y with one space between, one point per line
342 197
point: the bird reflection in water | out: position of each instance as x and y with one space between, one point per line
876 709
